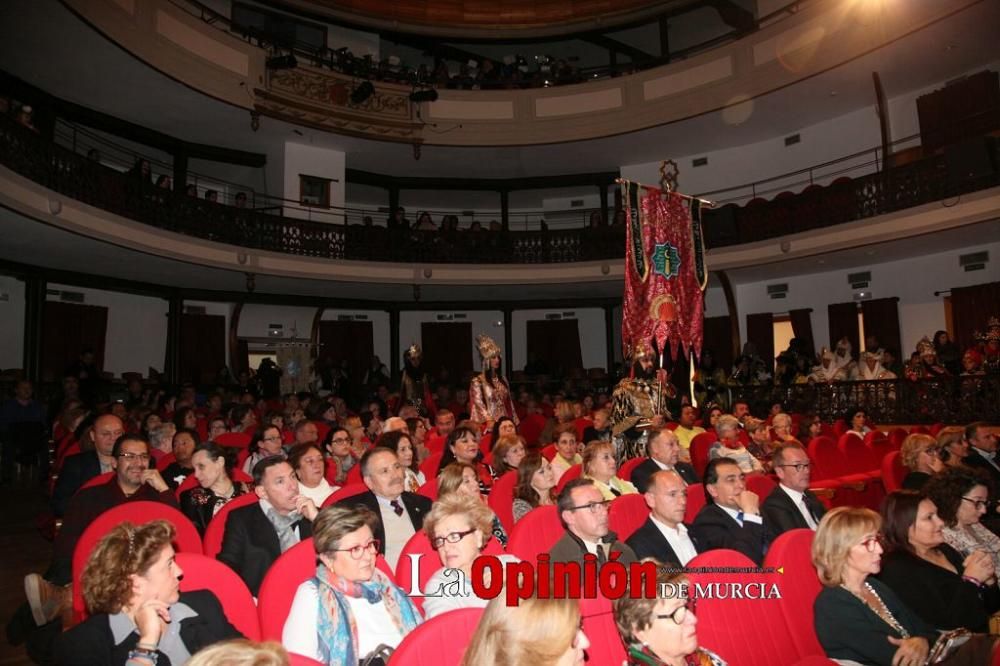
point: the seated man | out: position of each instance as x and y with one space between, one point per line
663 450
133 481
790 505
401 512
185 442
731 518
664 536
729 446
82 467
161 440
306 432
257 534
583 512
686 430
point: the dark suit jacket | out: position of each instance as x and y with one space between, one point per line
641 474
416 507
571 549
714 528
648 541
780 513
91 642
976 461
250 545
76 471
847 629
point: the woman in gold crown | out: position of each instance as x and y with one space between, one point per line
489 393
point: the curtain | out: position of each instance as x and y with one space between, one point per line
760 331
881 319
294 361
802 328
556 343
351 341
202 347
719 340
66 329
442 345
844 323
971 308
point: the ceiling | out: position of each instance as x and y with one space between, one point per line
42 42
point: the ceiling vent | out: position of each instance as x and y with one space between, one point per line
445 317
354 317
195 309
775 291
859 280
553 316
792 140
275 330
71 297
699 161
576 203
974 261
863 295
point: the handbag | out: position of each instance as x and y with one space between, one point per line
947 645
377 657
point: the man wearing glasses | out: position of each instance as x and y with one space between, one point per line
731 517
133 481
583 512
791 505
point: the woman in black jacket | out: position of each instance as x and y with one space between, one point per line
213 467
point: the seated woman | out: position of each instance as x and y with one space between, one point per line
462 446
809 427
458 527
213 467
536 482
962 498
399 441
508 453
266 442
461 479
952 445
309 465
349 608
858 419
502 427
781 427
138 616
567 449
539 632
760 441
242 652
945 589
919 454
359 437
600 466
337 444
661 631
727 428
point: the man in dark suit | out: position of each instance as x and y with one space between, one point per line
983 455
257 534
82 467
402 513
731 518
664 536
664 451
583 511
790 505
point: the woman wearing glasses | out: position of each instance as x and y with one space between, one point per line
920 455
946 589
962 497
661 631
349 608
459 527
266 442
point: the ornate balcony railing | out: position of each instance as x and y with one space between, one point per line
60 169
946 400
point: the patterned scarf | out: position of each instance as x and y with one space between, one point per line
284 526
338 632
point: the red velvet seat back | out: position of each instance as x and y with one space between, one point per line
501 499
799 587
535 533
440 641
205 573
628 513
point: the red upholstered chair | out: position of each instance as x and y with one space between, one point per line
353 476
190 481
187 539
434 442
748 632
428 562
440 641
818 660
295 566
236 439
875 436
896 437
349 490
699 451
760 484
799 587
98 480
165 461
628 513
920 430
549 452
671 425
573 472
893 471
825 458
581 424
205 573
531 429
486 446
212 542
625 472
429 490
839 427
501 499
695 501
430 465
535 533
858 459
606 645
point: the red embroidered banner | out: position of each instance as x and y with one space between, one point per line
664 258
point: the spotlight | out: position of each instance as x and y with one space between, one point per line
429 95
360 94
282 62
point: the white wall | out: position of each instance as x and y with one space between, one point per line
381 340
483 322
590 322
136 338
11 322
913 280
304 160
255 318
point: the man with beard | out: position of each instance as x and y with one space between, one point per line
639 404
414 386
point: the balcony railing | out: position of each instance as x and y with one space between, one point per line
64 171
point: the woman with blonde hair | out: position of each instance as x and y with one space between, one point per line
461 479
507 454
921 455
599 465
242 652
953 446
539 632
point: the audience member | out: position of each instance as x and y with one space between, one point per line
857 420
536 482
983 450
599 466
462 446
686 429
583 512
184 443
567 450
921 455
460 479
731 516
309 465
540 632
952 446
508 452
664 536
266 442
961 496
241 652
399 442
338 447
781 427
791 505
213 467
82 467
729 446
23 430
600 429
663 451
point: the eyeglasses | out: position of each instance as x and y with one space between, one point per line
134 456
357 552
452 537
272 438
680 613
980 504
340 440
799 467
871 542
595 507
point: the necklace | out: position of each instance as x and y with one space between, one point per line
879 608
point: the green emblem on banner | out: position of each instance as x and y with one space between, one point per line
666 261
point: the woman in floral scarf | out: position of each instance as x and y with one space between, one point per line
350 609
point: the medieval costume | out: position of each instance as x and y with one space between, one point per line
749 369
991 347
709 380
828 371
414 386
870 368
634 402
489 393
927 365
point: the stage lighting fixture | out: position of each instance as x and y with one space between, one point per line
362 93
282 62
428 95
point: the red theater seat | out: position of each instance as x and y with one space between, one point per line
628 513
205 573
501 499
695 501
606 645
212 542
699 451
535 533
799 585
440 641
628 466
